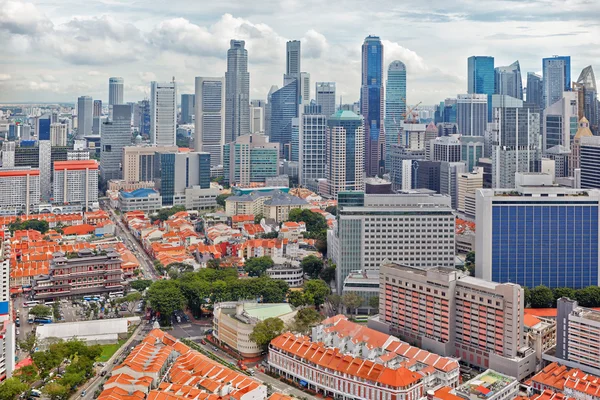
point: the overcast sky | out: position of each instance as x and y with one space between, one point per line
57 50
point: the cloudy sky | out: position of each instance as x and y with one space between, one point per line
57 50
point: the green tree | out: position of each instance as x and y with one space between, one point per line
11 388
258 265
258 218
352 301
56 391
130 301
141 284
332 210
526 296
27 374
312 265
267 330
315 222
318 290
588 297
268 235
335 300
35 224
29 343
328 273
164 213
563 292
297 298
541 297
221 199
470 263
165 297
374 302
305 319
40 311
214 263
180 267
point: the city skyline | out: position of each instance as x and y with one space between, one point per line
168 45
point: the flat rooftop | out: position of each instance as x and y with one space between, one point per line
591 315
485 386
264 311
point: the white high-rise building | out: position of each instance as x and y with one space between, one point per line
76 182
305 87
7 327
472 114
58 134
312 150
560 122
19 190
257 118
325 97
85 110
163 113
116 134
115 91
209 135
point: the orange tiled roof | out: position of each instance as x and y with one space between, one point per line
554 376
530 320
117 393
547 312
242 218
550 395
83 229
279 396
253 229
587 384
443 393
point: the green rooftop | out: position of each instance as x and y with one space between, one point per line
264 311
345 115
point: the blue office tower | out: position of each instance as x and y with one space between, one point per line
395 106
371 105
556 75
44 129
481 78
284 107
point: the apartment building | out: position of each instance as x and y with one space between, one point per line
539 334
468 183
273 204
76 183
19 190
138 162
292 274
450 313
7 327
81 273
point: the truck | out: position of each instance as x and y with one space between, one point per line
241 365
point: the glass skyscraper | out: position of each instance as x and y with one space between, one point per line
84 116
116 134
325 97
312 150
283 108
556 78
237 92
115 91
535 90
508 80
589 103
395 105
371 104
481 78
187 108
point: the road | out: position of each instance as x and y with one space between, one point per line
130 241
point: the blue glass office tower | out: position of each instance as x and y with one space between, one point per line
551 241
556 75
44 129
481 78
371 105
284 107
395 105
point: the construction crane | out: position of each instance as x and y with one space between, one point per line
411 115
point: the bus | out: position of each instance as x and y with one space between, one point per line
31 303
43 320
114 295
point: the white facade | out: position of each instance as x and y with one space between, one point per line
138 162
58 134
257 119
312 149
325 97
19 190
163 113
115 91
305 87
560 122
76 182
209 134
84 116
45 165
7 328
468 183
472 114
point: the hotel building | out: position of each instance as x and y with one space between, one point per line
76 183
19 190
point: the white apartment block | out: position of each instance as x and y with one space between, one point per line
7 328
76 182
58 134
468 183
163 113
19 190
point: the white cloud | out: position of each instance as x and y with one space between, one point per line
147 76
314 44
94 73
4 77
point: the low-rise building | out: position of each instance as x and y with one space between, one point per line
364 283
233 323
539 334
274 204
489 385
102 331
290 272
147 200
278 207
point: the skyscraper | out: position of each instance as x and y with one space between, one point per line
305 87
312 149
209 134
371 105
293 59
560 122
84 116
116 134
97 108
163 113
395 105
508 80
471 114
345 152
556 77
251 158
257 116
187 108
325 97
535 90
283 108
180 171
115 91
237 92
480 77
587 81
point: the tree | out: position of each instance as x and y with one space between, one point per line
267 330
352 301
130 300
214 263
258 218
541 297
221 199
318 290
165 297
35 224
40 311
11 388
141 284
470 263
335 300
588 297
268 235
258 265
332 210
312 265
29 343
374 302
297 298
328 273
56 391
305 319
27 374
315 222
180 267
526 296
164 213
563 292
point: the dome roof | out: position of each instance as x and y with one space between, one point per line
584 129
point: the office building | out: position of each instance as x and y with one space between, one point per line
589 162
284 107
443 310
446 148
312 150
449 172
467 185
538 234
103 274
76 183
583 131
535 90
273 89
293 58
403 167
237 92
115 91
292 152
139 161
97 108
588 102
8 154
251 158
508 81
395 106
556 72
472 114
257 118
84 116
325 97
371 105
143 199
560 155
19 190
58 134
163 113
209 133
472 148
411 228
180 171
144 121
560 122
345 152
305 88
577 330
188 102
428 175
116 134
515 132
481 78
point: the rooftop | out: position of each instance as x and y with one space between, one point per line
138 193
263 311
485 385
